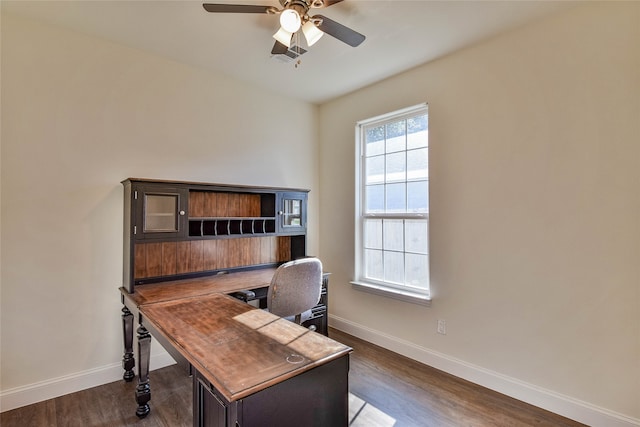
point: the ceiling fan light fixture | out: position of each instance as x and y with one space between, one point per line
311 33
283 36
290 20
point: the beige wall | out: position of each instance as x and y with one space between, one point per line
535 208
78 116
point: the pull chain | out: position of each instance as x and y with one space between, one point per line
296 37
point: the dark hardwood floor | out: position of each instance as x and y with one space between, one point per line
413 394
385 390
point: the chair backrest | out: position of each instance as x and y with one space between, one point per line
295 287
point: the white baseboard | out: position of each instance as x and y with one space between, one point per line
44 390
546 399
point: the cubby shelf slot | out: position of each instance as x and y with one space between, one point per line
231 226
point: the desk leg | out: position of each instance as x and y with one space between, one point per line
143 391
128 361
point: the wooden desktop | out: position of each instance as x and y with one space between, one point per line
251 367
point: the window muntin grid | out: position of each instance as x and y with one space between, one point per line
394 203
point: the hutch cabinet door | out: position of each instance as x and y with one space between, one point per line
160 212
292 212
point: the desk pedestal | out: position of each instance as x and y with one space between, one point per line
318 397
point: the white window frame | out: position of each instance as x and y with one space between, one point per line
404 293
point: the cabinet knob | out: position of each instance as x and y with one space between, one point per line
181 213
280 212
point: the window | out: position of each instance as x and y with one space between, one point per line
392 205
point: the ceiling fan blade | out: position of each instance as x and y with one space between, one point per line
324 3
328 3
339 31
279 48
236 8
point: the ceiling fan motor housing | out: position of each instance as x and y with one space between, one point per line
300 6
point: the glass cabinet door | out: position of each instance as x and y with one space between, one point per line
160 213
292 213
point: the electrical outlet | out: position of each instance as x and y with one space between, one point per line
442 327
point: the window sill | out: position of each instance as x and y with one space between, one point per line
412 297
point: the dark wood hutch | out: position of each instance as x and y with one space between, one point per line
177 230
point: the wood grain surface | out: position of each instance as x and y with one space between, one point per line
238 348
187 288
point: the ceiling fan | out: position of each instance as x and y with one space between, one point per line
294 16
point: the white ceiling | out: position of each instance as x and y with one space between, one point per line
400 35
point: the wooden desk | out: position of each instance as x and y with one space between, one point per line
243 357
168 291
196 323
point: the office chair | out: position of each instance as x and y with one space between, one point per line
295 289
